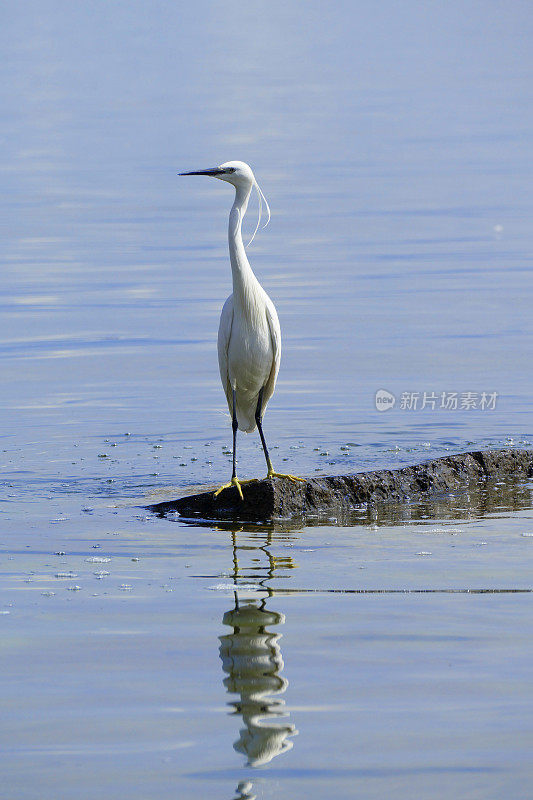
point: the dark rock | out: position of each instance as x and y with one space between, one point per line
267 500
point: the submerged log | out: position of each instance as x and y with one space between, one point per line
278 498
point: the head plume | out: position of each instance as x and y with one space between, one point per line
261 197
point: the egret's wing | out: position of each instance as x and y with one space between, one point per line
224 335
275 335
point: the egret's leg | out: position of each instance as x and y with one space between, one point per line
258 421
234 480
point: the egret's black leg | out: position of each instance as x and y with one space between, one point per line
234 425
258 421
234 480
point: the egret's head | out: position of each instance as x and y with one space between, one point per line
236 172
241 176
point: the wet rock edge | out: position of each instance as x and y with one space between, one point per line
275 499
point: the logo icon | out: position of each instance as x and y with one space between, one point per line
384 400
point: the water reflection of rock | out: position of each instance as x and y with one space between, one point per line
251 657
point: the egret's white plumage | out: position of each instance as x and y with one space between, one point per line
249 353
249 334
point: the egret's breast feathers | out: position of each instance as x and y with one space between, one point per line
248 348
250 353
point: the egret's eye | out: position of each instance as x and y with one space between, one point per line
229 170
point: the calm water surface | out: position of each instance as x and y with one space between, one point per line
394 146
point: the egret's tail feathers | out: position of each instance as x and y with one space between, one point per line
245 423
246 416
246 408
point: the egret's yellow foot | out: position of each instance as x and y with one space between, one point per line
273 474
234 482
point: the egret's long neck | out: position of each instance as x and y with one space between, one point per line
243 275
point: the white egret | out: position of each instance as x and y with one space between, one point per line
249 334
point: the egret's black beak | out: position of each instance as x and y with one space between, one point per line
211 172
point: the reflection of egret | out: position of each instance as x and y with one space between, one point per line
249 335
262 565
244 789
251 654
252 658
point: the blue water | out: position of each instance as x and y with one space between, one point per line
393 143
